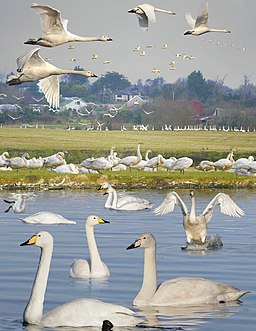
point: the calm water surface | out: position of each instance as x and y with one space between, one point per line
234 263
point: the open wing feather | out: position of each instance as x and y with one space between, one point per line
202 18
50 86
167 206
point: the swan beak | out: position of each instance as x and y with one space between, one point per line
30 241
102 221
133 10
133 245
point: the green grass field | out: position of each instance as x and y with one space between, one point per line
81 144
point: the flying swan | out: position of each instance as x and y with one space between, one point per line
196 226
95 268
200 25
147 13
54 29
76 313
18 206
32 67
181 291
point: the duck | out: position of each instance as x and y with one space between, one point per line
199 26
95 268
132 160
113 202
195 226
76 313
181 291
55 29
18 206
46 217
32 67
147 13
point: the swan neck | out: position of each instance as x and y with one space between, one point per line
109 202
79 38
34 309
92 246
115 199
149 284
193 209
163 11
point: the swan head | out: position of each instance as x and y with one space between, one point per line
107 325
87 73
105 38
145 240
134 10
40 239
104 186
93 220
192 193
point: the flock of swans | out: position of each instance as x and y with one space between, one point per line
32 67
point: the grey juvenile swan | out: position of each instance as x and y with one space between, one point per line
54 29
33 67
181 291
196 226
200 25
147 13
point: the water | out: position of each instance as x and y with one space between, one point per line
234 263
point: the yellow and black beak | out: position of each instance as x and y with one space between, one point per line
30 241
102 221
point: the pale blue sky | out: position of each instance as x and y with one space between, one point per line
218 55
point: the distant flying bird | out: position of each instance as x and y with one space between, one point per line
18 98
54 29
33 67
14 118
136 49
94 56
107 62
3 95
147 13
37 100
70 47
149 46
110 115
200 25
148 112
165 46
155 71
74 59
142 53
189 57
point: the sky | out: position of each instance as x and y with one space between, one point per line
218 55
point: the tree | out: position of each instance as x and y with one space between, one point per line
197 86
111 80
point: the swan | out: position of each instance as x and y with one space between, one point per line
18 206
121 200
199 26
32 67
3 158
35 163
147 13
101 163
196 226
55 160
76 313
178 291
18 162
167 164
155 162
67 169
132 160
54 29
141 165
181 164
243 162
83 269
46 217
226 163
113 203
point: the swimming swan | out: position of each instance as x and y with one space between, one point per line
32 67
54 29
128 204
196 226
178 291
96 268
46 217
76 313
147 13
199 26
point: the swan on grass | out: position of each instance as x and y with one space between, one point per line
18 162
194 225
200 25
32 67
46 217
128 203
181 291
54 29
147 13
76 313
55 160
132 160
3 158
83 269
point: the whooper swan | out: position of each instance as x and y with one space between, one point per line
54 29
76 313
46 217
33 67
196 226
199 26
147 13
95 268
132 160
181 291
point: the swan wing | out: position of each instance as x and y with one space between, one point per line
88 312
167 206
50 87
190 20
227 206
51 21
31 58
149 12
79 269
202 17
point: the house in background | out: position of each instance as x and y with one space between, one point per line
134 103
76 105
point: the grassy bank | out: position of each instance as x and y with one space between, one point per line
81 144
